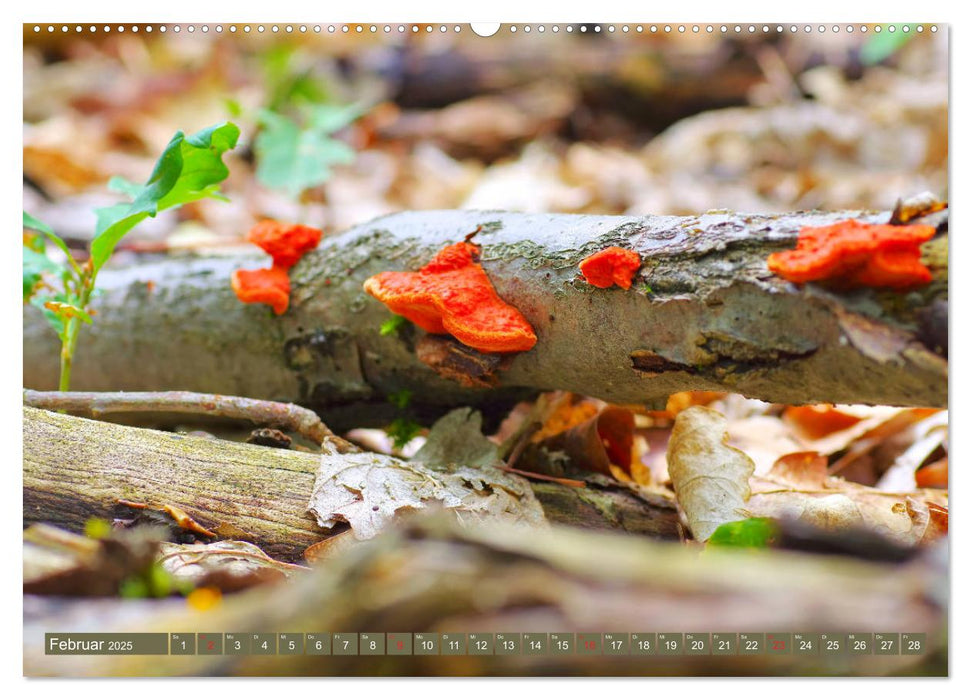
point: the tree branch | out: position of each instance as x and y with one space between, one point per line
704 313
285 416
75 469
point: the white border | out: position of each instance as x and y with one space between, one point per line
451 12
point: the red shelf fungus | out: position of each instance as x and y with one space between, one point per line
266 286
856 254
452 294
286 244
610 266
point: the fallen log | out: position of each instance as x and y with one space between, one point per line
75 469
431 576
704 313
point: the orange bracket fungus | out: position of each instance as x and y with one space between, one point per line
286 244
266 286
452 294
856 254
610 266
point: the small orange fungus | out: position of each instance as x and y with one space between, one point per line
452 294
265 286
611 266
285 243
856 254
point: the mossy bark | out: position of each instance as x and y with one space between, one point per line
704 313
75 469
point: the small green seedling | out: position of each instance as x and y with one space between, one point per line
189 169
402 429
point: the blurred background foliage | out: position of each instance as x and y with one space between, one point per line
338 128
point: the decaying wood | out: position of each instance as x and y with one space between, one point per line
75 469
431 576
704 313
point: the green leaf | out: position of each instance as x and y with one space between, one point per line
234 107
36 265
66 310
753 533
124 186
133 587
402 431
400 399
190 168
331 118
53 320
37 225
97 528
393 325
295 159
287 84
882 46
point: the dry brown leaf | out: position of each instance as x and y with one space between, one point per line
229 565
325 549
929 434
454 469
600 442
933 476
764 438
681 400
836 504
711 478
819 420
806 470
367 490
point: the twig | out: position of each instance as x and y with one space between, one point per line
94 404
545 477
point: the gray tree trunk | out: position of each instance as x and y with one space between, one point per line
704 313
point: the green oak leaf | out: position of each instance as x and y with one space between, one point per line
295 158
37 225
190 168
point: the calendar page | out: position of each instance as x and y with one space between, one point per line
514 349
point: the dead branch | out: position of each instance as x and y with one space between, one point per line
704 313
285 416
75 469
